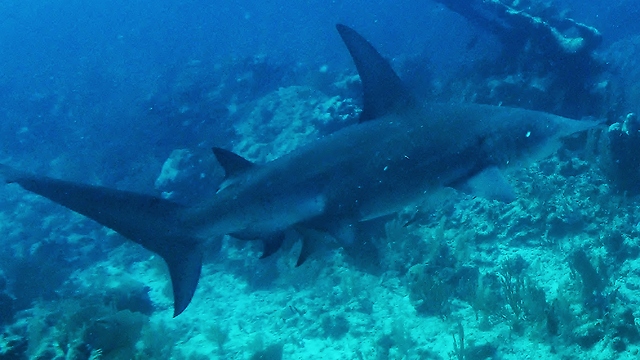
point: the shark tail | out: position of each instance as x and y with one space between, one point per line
150 221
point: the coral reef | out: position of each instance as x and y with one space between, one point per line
187 175
7 301
619 156
288 118
547 60
532 22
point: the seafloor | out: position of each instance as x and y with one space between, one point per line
553 275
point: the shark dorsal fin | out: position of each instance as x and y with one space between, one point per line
384 92
232 163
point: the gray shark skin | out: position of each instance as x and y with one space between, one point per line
400 152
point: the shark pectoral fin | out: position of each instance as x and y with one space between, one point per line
272 243
490 184
185 264
232 163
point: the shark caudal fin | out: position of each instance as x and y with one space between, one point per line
147 220
384 92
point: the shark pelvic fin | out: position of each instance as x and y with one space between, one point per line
232 163
384 92
308 248
490 184
312 241
150 221
272 243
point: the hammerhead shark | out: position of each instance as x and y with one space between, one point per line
400 151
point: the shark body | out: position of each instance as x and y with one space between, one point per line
400 151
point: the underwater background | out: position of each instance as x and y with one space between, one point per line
133 94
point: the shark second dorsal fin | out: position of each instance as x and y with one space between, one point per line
232 163
384 92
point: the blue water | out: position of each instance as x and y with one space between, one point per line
104 92
72 70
